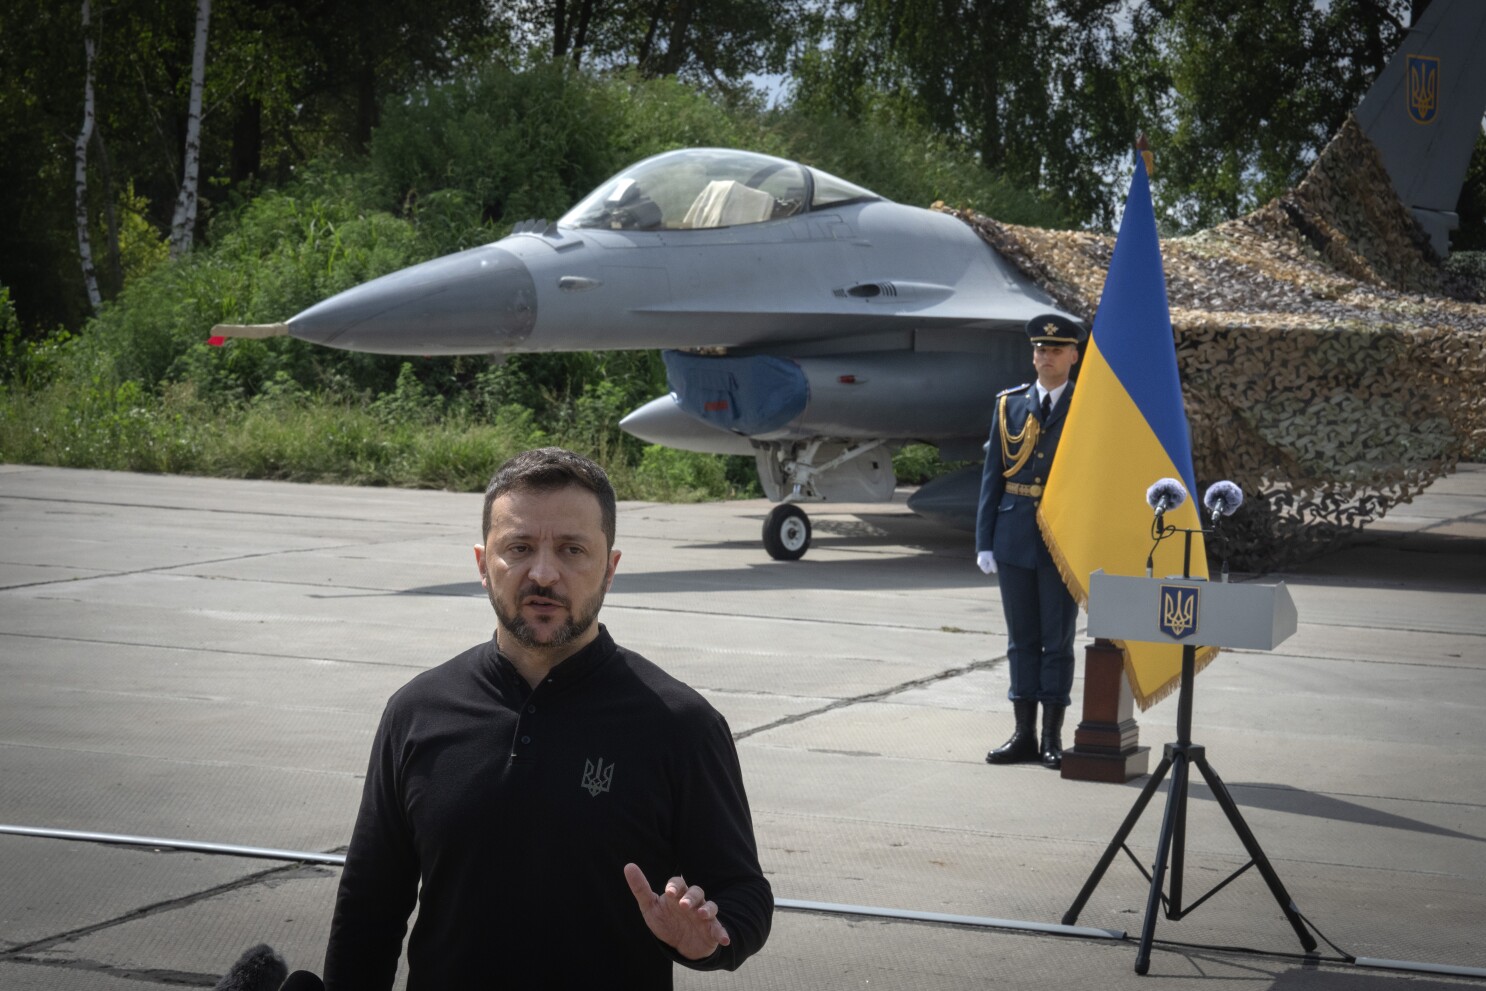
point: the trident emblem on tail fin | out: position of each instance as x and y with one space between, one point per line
1424 87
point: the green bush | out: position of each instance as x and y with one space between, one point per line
279 254
101 425
501 145
518 144
669 475
409 403
1469 268
28 362
915 464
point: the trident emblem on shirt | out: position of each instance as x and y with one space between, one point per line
597 779
1178 611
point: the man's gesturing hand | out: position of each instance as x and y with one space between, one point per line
680 916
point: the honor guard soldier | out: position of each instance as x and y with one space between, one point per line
1040 614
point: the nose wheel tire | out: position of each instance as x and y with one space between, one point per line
787 532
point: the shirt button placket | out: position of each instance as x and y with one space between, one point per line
524 727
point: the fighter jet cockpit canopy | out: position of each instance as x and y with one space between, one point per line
699 188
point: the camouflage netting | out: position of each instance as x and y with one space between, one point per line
1328 367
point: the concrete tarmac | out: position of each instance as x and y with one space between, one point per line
205 660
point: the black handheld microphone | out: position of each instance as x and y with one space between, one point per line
1222 499
302 980
1166 494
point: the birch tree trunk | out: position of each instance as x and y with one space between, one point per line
80 167
183 224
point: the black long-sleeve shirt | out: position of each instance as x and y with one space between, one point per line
517 809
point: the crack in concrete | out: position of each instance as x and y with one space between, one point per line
165 569
200 649
226 511
876 696
805 620
274 874
168 978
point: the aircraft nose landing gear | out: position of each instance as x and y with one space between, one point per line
786 532
845 474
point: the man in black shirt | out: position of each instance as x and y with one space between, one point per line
535 784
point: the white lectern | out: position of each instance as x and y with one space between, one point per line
1190 612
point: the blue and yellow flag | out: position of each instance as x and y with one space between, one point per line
1126 429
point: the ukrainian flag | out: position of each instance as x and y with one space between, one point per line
1127 428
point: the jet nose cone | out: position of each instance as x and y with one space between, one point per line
475 302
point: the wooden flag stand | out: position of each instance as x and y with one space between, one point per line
1106 745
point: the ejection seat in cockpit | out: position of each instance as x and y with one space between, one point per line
725 203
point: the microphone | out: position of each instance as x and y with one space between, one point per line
1166 494
1222 499
260 968
302 980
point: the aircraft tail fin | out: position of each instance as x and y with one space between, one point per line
1423 112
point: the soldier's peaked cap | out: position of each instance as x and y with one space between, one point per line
1050 328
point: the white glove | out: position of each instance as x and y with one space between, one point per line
987 562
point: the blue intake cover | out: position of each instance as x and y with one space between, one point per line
750 395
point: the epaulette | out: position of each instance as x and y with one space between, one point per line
1015 388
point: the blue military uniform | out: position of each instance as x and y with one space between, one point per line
1040 614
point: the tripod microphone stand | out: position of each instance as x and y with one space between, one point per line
1129 594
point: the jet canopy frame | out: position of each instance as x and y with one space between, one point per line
709 188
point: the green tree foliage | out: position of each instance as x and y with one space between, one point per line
887 148
1031 87
41 111
512 144
524 143
713 44
286 81
1472 208
1240 95
1237 96
361 54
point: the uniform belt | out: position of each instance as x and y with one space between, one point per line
1016 488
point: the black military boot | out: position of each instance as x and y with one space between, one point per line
1052 735
1023 743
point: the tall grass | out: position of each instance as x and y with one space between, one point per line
304 438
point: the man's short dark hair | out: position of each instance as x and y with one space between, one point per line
548 468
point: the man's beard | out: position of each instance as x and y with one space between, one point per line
577 623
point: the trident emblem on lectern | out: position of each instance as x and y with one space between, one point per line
1178 611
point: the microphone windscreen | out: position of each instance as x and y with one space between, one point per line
1223 497
1167 491
302 980
260 968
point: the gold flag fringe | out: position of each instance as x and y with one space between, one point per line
1075 584
1205 656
